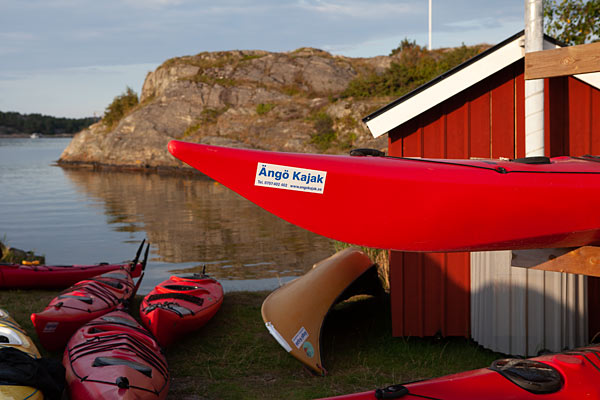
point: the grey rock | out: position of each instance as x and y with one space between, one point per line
249 99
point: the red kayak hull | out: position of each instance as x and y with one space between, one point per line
115 350
180 305
79 304
415 204
569 375
17 276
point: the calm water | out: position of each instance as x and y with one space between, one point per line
76 216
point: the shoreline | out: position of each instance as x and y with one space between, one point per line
42 136
145 169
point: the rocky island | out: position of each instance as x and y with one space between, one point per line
253 99
306 100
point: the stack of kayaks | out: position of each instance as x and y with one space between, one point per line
31 275
180 305
81 303
14 337
573 374
114 357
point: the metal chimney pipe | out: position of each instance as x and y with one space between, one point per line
534 89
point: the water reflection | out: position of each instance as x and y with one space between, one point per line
191 221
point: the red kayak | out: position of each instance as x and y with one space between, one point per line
81 303
569 375
416 204
32 276
180 305
114 357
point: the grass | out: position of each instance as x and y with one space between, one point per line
234 357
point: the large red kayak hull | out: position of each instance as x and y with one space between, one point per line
415 204
569 375
114 357
80 304
17 276
179 306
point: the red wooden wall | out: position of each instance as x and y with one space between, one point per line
430 292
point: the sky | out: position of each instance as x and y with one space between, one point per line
71 58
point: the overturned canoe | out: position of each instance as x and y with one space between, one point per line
572 374
295 312
416 204
180 305
114 357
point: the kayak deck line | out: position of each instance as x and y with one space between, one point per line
496 165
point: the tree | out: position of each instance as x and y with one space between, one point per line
572 21
119 107
405 44
13 122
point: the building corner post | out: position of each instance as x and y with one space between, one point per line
534 89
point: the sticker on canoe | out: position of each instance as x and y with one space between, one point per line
290 178
308 348
300 337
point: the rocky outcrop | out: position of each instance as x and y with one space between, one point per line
12 255
252 99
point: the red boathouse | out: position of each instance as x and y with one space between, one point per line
476 110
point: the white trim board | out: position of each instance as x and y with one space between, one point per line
456 83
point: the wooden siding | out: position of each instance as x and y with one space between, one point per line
430 293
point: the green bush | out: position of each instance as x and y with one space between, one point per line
416 66
324 134
264 108
405 44
190 129
210 115
120 106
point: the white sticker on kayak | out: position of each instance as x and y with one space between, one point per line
50 327
300 337
290 178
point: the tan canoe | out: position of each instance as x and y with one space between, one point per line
294 313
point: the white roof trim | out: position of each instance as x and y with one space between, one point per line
446 88
592 79
456 83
